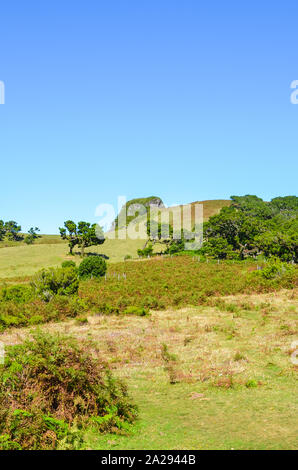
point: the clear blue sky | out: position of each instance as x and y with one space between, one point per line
187 100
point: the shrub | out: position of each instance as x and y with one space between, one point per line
150 302
36 320
50 390
29 240
176 247
17 294
275 269
69 264
148 251
81 320
55 281
218 248
139 311
251 384
92 267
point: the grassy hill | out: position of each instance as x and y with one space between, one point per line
18 259
136 206
41 240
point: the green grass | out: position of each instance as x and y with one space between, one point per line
41 240
243 419
22 260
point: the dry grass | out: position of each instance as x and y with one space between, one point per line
205 339
230 363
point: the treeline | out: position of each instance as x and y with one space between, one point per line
11 231
249 227
252 227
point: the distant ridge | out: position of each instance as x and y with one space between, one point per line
135 209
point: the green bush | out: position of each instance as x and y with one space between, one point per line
37 311
92 267
29 240
148 251
81 320
150 302
251 384
51 390
55 281
139 311
17 294
7 321
275 269
218 248
36 320
69 264
175 247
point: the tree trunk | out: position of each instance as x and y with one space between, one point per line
82 250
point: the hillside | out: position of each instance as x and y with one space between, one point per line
41 240
18 259
135 208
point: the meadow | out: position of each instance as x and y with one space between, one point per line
205 377
19 261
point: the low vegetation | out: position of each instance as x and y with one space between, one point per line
50 390
165 282
92 267
129 287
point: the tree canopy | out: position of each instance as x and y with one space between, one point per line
251 226
82 235
10 230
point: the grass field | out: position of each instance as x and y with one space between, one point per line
224 380
19 260
23 260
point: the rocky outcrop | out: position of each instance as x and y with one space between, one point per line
135 208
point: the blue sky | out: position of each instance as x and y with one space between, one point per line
187 100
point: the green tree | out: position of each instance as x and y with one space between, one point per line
2 230
82 234
69 233
32 235
252 226
164 234
12 230
218 248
